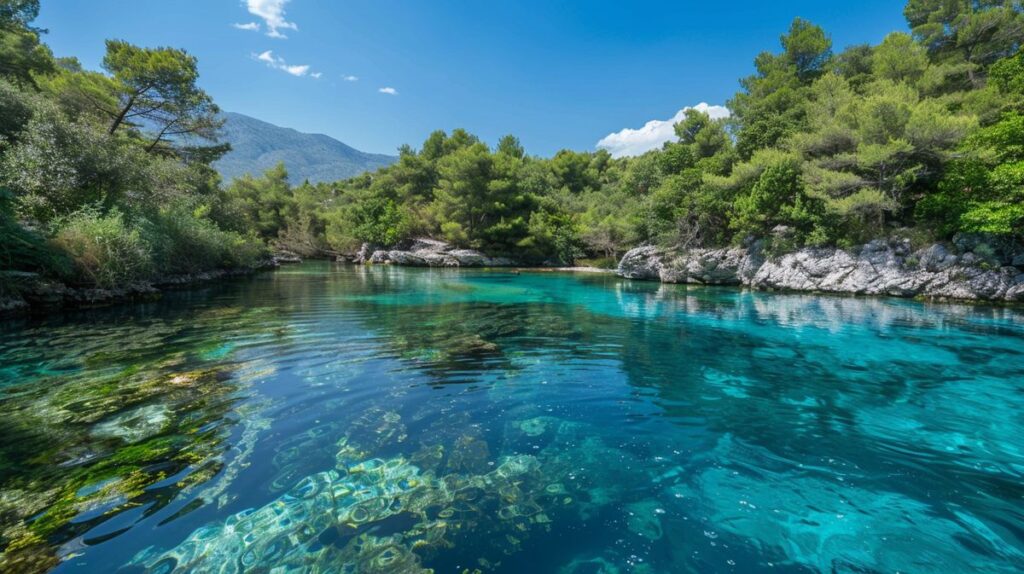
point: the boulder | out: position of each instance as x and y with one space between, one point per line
433 253
935 258
365 252
641 263
427 245
708 266
406 258
379 256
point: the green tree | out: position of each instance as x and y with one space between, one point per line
267 202
807 48
772 103
971 33
156 90
22 55
899 59
510 146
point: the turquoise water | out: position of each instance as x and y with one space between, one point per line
325 418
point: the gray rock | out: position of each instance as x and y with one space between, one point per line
473 258
427 245
709 267
365 252
433 253
406 258
641 263
935 258
878 268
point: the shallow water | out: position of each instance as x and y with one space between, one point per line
326 418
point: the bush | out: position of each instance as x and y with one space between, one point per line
301 238
186 242
59 166
105 249
24 249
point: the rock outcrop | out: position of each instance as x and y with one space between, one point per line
878 268
427 253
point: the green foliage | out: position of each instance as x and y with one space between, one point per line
183 241
776 198
265 204
60 165
970 35
22 55
983 191
107 250
156 90
23 249
807 48
16 108
899 59
88 191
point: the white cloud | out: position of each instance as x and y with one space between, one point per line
278 63
251 26
272 13
350 78
316 75
388 91
654 134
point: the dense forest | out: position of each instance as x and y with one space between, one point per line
105 176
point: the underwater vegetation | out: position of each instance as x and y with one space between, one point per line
138 429
335 419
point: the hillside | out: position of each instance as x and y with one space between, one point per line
257 146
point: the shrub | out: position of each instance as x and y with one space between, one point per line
23 248
186 242
300 237
106 250
59 166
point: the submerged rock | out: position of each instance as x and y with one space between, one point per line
878 268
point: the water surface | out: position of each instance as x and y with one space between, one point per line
325 418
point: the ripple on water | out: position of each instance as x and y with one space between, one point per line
331 418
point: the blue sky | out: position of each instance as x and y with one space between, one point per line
556 74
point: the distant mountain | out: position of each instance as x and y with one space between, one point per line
257 146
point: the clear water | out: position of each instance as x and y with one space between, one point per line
325 418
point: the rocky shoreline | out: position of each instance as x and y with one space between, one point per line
887 268
962 272
36 294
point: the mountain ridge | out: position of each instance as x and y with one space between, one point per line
257 146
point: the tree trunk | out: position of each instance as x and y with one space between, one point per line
120 117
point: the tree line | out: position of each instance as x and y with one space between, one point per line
106 176
919 135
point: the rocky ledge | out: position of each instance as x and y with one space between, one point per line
878 268
36 293
427 253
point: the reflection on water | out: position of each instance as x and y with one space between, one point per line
340 419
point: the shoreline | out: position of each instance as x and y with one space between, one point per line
878 269
46 296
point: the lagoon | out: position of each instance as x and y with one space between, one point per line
332 418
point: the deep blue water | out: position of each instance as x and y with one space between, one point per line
325 418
